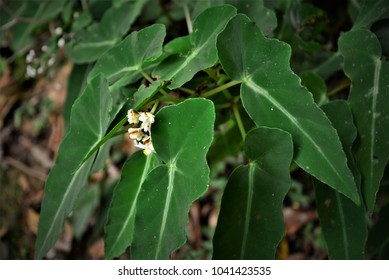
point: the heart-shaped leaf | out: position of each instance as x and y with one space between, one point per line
181 135
369 102
250 224
273 96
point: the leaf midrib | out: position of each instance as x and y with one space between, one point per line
343 225
249 204
170 187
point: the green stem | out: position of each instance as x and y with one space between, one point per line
104 139
187 90
219 89
239 120
155 106
150 80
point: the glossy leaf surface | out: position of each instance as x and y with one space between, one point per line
180 68
250 224
119 229
369 102
89 121
91 43
343 223
273 96
181 135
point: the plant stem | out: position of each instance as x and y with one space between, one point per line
155 106
338 88
187 90
150 80
188 19
219 89
239 120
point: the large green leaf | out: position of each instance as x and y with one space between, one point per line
369 102
182 135
91 43
370 12
343 223
119 229
180 68
89 121
123 63
250 224
273 96
316 85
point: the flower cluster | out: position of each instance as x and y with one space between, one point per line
39 61
141 132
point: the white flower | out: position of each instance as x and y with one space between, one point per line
146 145
30 72
61 42
58 31
51 61
30 56
44 48
133 117
147 119
136 133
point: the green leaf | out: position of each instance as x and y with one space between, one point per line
86 204
316 85
343 223
250 224
91 43
76 85
369 102
180 68
273 96
181 135
123 63
379 234
264 17
89 121
370 12
119 229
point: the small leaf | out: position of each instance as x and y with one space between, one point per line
89 121
119 229
181 135
91 43
250 224
123 63
369 102
343 223
180 68
273 96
